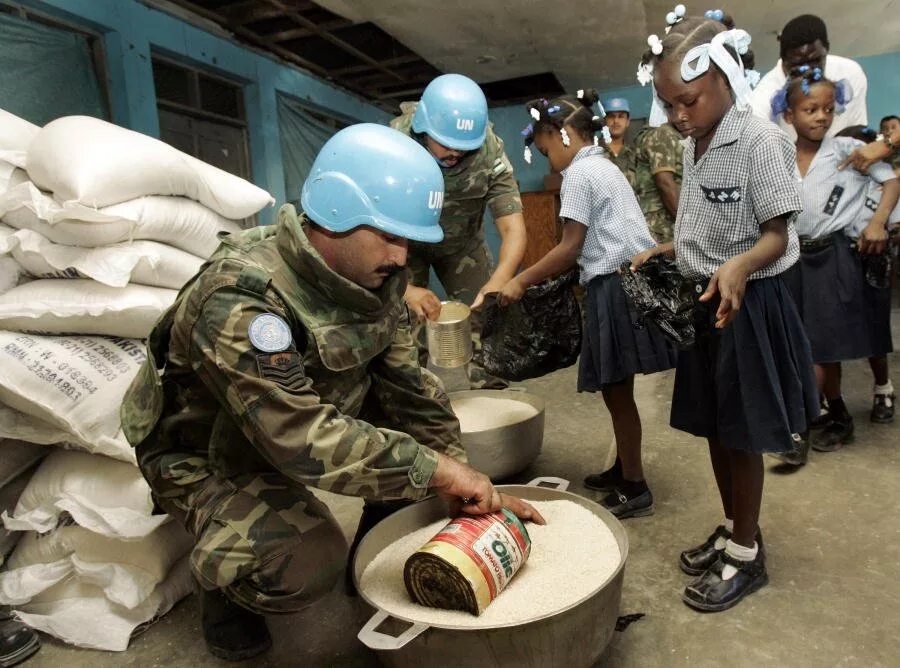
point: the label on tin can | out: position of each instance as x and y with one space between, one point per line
482 552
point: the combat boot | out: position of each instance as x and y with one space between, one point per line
17 641
231 632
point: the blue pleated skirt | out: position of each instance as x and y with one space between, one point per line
751 385
616 342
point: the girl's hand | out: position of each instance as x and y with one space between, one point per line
641 258
511 292
730 281
873 240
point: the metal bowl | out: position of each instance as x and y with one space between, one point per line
575 636
503 451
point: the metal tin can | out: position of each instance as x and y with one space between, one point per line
469 562
450 336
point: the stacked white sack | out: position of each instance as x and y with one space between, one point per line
94 550
97 164
105 227
16 135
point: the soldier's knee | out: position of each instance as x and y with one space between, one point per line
267 562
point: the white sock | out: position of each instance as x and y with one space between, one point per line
720 541
886 390
740 553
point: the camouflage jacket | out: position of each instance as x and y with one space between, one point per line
656 150
483 178
623 161
208 400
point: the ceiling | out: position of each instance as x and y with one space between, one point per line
387 50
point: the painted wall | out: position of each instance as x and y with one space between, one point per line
883 97
131 32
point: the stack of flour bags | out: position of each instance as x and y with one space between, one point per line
99 228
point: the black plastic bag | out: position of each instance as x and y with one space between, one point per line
661 295
532 337
878 269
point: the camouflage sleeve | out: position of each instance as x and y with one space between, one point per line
663 151
269 396
503 192
412 397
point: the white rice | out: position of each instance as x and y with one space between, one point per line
570 557
481 413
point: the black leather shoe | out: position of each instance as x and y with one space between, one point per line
820 421
624 507
17 642
231 632
603 482
883 408
797 456
698 559
836 435
372 514
710 593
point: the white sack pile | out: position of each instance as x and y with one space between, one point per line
101 227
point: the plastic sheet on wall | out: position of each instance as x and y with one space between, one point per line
302 136
46 72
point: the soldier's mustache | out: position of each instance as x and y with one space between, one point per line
389 269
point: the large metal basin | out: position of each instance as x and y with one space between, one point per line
572 637
502 452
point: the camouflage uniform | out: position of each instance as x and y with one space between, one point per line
656 150
229 437
462 261
623 161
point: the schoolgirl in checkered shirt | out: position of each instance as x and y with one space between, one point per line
603 227
747 384
828 284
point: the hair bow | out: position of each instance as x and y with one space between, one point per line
675 16
696 62
843 94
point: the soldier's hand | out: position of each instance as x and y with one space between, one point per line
469 491
423 302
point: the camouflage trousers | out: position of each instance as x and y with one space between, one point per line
462 273
662 227
266 541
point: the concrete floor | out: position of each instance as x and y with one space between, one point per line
832 534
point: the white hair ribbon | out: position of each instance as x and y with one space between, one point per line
658 115
696 62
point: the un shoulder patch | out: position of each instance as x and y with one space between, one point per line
269 334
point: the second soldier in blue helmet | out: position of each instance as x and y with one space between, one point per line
451 121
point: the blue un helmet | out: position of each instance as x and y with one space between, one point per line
453 112
372 175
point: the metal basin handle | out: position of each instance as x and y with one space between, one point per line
551 482
378 640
